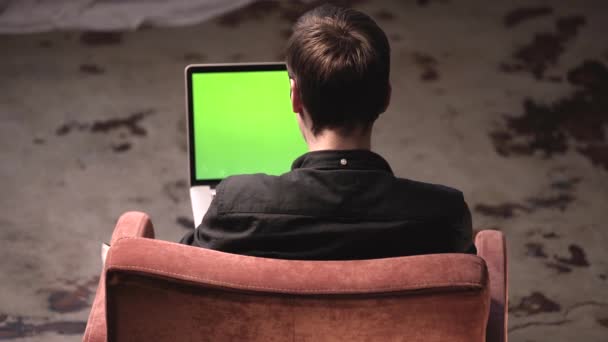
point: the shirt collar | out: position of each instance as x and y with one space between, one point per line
342 159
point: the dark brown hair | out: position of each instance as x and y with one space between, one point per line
340 59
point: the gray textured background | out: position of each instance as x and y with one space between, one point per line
504 100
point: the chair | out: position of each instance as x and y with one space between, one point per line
153 290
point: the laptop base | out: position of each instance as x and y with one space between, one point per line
200 197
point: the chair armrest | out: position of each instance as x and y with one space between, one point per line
133 224
491 246
130 224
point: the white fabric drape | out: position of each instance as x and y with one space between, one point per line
25 16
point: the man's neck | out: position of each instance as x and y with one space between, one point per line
333 140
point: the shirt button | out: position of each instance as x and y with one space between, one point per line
343 161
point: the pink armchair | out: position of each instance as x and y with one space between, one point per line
153 290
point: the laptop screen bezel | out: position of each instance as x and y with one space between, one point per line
198 68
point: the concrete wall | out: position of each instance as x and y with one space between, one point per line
503 100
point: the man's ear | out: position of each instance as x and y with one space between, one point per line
296 101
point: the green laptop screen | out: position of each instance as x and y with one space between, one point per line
243 124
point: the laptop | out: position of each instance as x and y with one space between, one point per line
240 121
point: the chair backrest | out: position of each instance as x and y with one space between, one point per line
162 291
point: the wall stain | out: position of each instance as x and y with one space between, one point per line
503 210
98 38
176 191
519 15
536 250
558 267
91 69
17 328
181 141
121 147
81 164
577 257
566 184
72 300
39 141
554 79
535 324
429 75
551 235
69 301
598 155
578 120
569 26
185 222
194 57
584 304
603 322
533 232
428 64
131 123
545 49
139 199
70 126
534 304
560 201
532 204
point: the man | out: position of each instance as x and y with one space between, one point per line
340 201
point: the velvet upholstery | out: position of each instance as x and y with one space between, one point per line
491 246
153 290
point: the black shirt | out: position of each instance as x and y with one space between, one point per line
334 205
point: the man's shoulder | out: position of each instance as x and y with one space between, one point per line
245 192
430 188
431 195
242 182
295 192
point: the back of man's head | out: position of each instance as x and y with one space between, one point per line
340 60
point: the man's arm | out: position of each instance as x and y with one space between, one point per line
195 236
464 232
469 244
